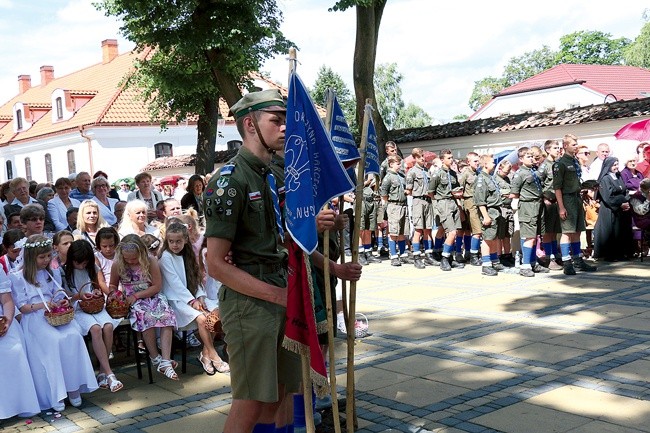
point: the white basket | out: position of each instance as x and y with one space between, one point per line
361 326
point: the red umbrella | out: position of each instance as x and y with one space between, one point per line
639 130
172 179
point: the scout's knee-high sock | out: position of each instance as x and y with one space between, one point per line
575 249
402 247
467 243
533 256
299 410
486 260
428 246
392 247
554 246
548 249
416 248
264 428
459 243
367 248
447 250
565 249
526 253
438 243
494 257
475 245
283 429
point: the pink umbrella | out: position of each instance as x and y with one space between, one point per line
639 130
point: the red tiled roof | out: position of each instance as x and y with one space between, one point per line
187 160
624 82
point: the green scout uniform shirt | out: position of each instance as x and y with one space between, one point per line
565 175
467 180
524 184
486 191
547 185
393 187
383 169
442 183
504 186
417 180
238 207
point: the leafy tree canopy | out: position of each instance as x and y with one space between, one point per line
638 52
591 48
328 79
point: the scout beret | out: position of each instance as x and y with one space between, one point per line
265 100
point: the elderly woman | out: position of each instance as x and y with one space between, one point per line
193 197
613 230
134 220
58 206
146 194
89 221
631 176
45 194
100 187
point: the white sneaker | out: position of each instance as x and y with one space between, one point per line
341 327
76 402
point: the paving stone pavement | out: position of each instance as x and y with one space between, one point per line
448 352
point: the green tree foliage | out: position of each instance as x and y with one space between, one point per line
328 79
412 116
591 48
202 49
387 82
531 63
638 52
484 90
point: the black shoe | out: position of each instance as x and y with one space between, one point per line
419 263
568 268
507 260
580 263
444 264
459 258
539 269
383 252
474 260
429 260
406 260
437 256
395 262
489 271
498 266
362 259
455 264
372 259
467 256
526 272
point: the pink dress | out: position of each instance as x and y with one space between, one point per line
153 312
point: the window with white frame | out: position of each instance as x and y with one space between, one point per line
19 119
10 170
72 166
28 169
59 108
48 167
163 149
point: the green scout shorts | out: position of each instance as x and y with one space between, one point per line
258 363
421 213
552 220
490 233
575 220
396 218
368 215
447 215
508 227
531 219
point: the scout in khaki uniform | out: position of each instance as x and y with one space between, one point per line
467 181
417 186
487 197
368 222
551 214
392 193
506 229
566 183
382 238
446 210
240 216
527 187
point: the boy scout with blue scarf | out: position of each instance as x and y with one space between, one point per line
240 209
392 192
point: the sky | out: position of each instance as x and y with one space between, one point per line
441 48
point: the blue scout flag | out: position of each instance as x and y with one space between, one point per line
342 138
313 172
372 151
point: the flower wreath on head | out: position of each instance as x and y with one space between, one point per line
39 244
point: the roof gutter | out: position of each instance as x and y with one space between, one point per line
89 142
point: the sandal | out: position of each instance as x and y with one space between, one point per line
220 365
208 367
165 367
102 380
155 361
113 383
141 347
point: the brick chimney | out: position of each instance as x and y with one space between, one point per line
47 75
109 50
24 83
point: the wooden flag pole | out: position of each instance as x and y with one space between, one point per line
351 416
304 357
328 299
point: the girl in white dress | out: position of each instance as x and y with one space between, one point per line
16 374
57 356
181 284
106 240
81 272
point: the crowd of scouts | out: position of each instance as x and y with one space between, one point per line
457 212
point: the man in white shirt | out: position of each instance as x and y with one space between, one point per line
594 168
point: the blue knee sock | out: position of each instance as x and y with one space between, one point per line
526 252
459 243
475 245
575 249
283 429
428 246
565 250
548 248
416 248
533 255
264 428
402 246
367 247
521 246
494 257
392 247
467 241
299 410
447 250
486 260
554 246
437 245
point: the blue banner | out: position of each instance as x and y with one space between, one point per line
342 138
372 151
313 172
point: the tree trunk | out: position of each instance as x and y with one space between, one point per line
228 86
206 139
365 53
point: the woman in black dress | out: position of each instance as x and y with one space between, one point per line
613 231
